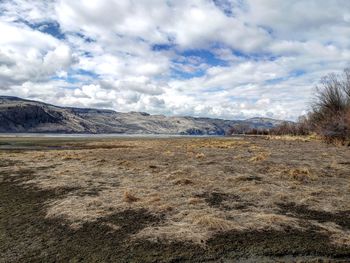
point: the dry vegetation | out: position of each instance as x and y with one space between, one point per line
199 188
328 119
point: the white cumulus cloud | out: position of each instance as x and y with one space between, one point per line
216 58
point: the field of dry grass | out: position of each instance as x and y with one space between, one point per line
176 199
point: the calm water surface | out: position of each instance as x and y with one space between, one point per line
112 135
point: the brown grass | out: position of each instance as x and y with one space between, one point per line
213 223
306 138
200 155
129 197
184 181
301 174
259 157
198 198
194 200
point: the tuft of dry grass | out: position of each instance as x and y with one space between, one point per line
338 142
335 165
200 155
168 153
113 227
194 200
154 199
184 181
165 208
217 144
260 157
306 138
213 223
130 198
302 174
296 174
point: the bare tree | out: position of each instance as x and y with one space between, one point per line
346 84
331 110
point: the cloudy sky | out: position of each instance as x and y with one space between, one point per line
231 59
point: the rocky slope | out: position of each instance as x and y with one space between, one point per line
20 115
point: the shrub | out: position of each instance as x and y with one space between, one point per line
330 116
302 127
241 128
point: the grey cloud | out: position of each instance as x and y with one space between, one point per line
156 102
141 87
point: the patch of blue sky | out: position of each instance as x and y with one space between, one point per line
204 55
225 6
87 54
255 56
162 47
86 38
77 76
49 27
275 80
178 74
292 74
297 73
197 59
229 7
69 79
214 90
86 73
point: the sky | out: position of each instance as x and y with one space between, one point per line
231 59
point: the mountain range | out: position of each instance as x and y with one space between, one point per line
27 116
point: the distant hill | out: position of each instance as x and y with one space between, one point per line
20 115
266 122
